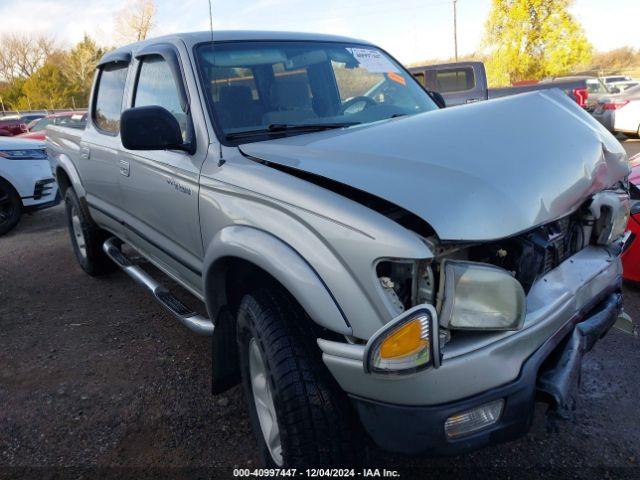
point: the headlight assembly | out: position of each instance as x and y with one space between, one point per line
29 154
479 296
404 345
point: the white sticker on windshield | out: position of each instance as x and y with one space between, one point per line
373 60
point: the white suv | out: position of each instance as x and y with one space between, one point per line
26 181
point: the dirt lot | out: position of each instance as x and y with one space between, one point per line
94 374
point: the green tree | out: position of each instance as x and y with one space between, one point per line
46 88
79 67
11 93
533 39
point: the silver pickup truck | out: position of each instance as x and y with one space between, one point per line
371 264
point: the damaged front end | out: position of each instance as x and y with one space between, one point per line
481 288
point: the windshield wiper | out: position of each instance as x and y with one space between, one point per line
276 128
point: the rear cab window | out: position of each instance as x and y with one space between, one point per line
109 97
451 80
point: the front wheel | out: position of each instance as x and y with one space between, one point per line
10 207
298 413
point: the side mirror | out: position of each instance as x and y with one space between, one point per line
438 98
150 128
614 90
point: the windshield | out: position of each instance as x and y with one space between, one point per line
260 88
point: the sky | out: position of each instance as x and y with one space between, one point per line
411 30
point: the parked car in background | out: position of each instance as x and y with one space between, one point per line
37 128
30 117
466 82
622 86
26 181
614 79
13 125
596 88
363 265
631 252
620 113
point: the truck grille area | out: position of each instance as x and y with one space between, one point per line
536 252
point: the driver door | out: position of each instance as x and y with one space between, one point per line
160 188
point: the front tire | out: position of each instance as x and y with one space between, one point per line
86 238
298 413
10 207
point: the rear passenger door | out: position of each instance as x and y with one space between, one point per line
160 188
98 160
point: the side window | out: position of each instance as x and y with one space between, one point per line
451 80
156 86
420 77
108 103
40 125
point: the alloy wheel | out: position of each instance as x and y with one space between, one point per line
263 400
78 233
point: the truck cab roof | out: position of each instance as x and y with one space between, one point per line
193 38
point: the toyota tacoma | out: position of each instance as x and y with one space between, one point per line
371 264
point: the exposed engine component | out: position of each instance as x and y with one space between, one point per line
538 251
388 286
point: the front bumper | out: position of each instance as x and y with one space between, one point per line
552 370
32 180
478 368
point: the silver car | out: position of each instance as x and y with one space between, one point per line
620 113
368 263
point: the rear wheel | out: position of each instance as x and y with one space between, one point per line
86 238
298 413
10 207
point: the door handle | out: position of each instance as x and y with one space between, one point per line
124 168
85 152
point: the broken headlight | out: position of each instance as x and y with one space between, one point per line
406 283
480 297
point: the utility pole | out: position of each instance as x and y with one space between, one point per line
455 28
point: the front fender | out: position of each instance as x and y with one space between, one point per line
282 262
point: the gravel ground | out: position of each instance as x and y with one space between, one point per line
94 374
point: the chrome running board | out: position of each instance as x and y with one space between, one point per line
190 319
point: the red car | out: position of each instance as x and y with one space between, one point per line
631 254
38 127
13 125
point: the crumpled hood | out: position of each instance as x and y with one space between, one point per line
477 172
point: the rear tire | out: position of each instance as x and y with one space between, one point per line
10 207
86 238
282 371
